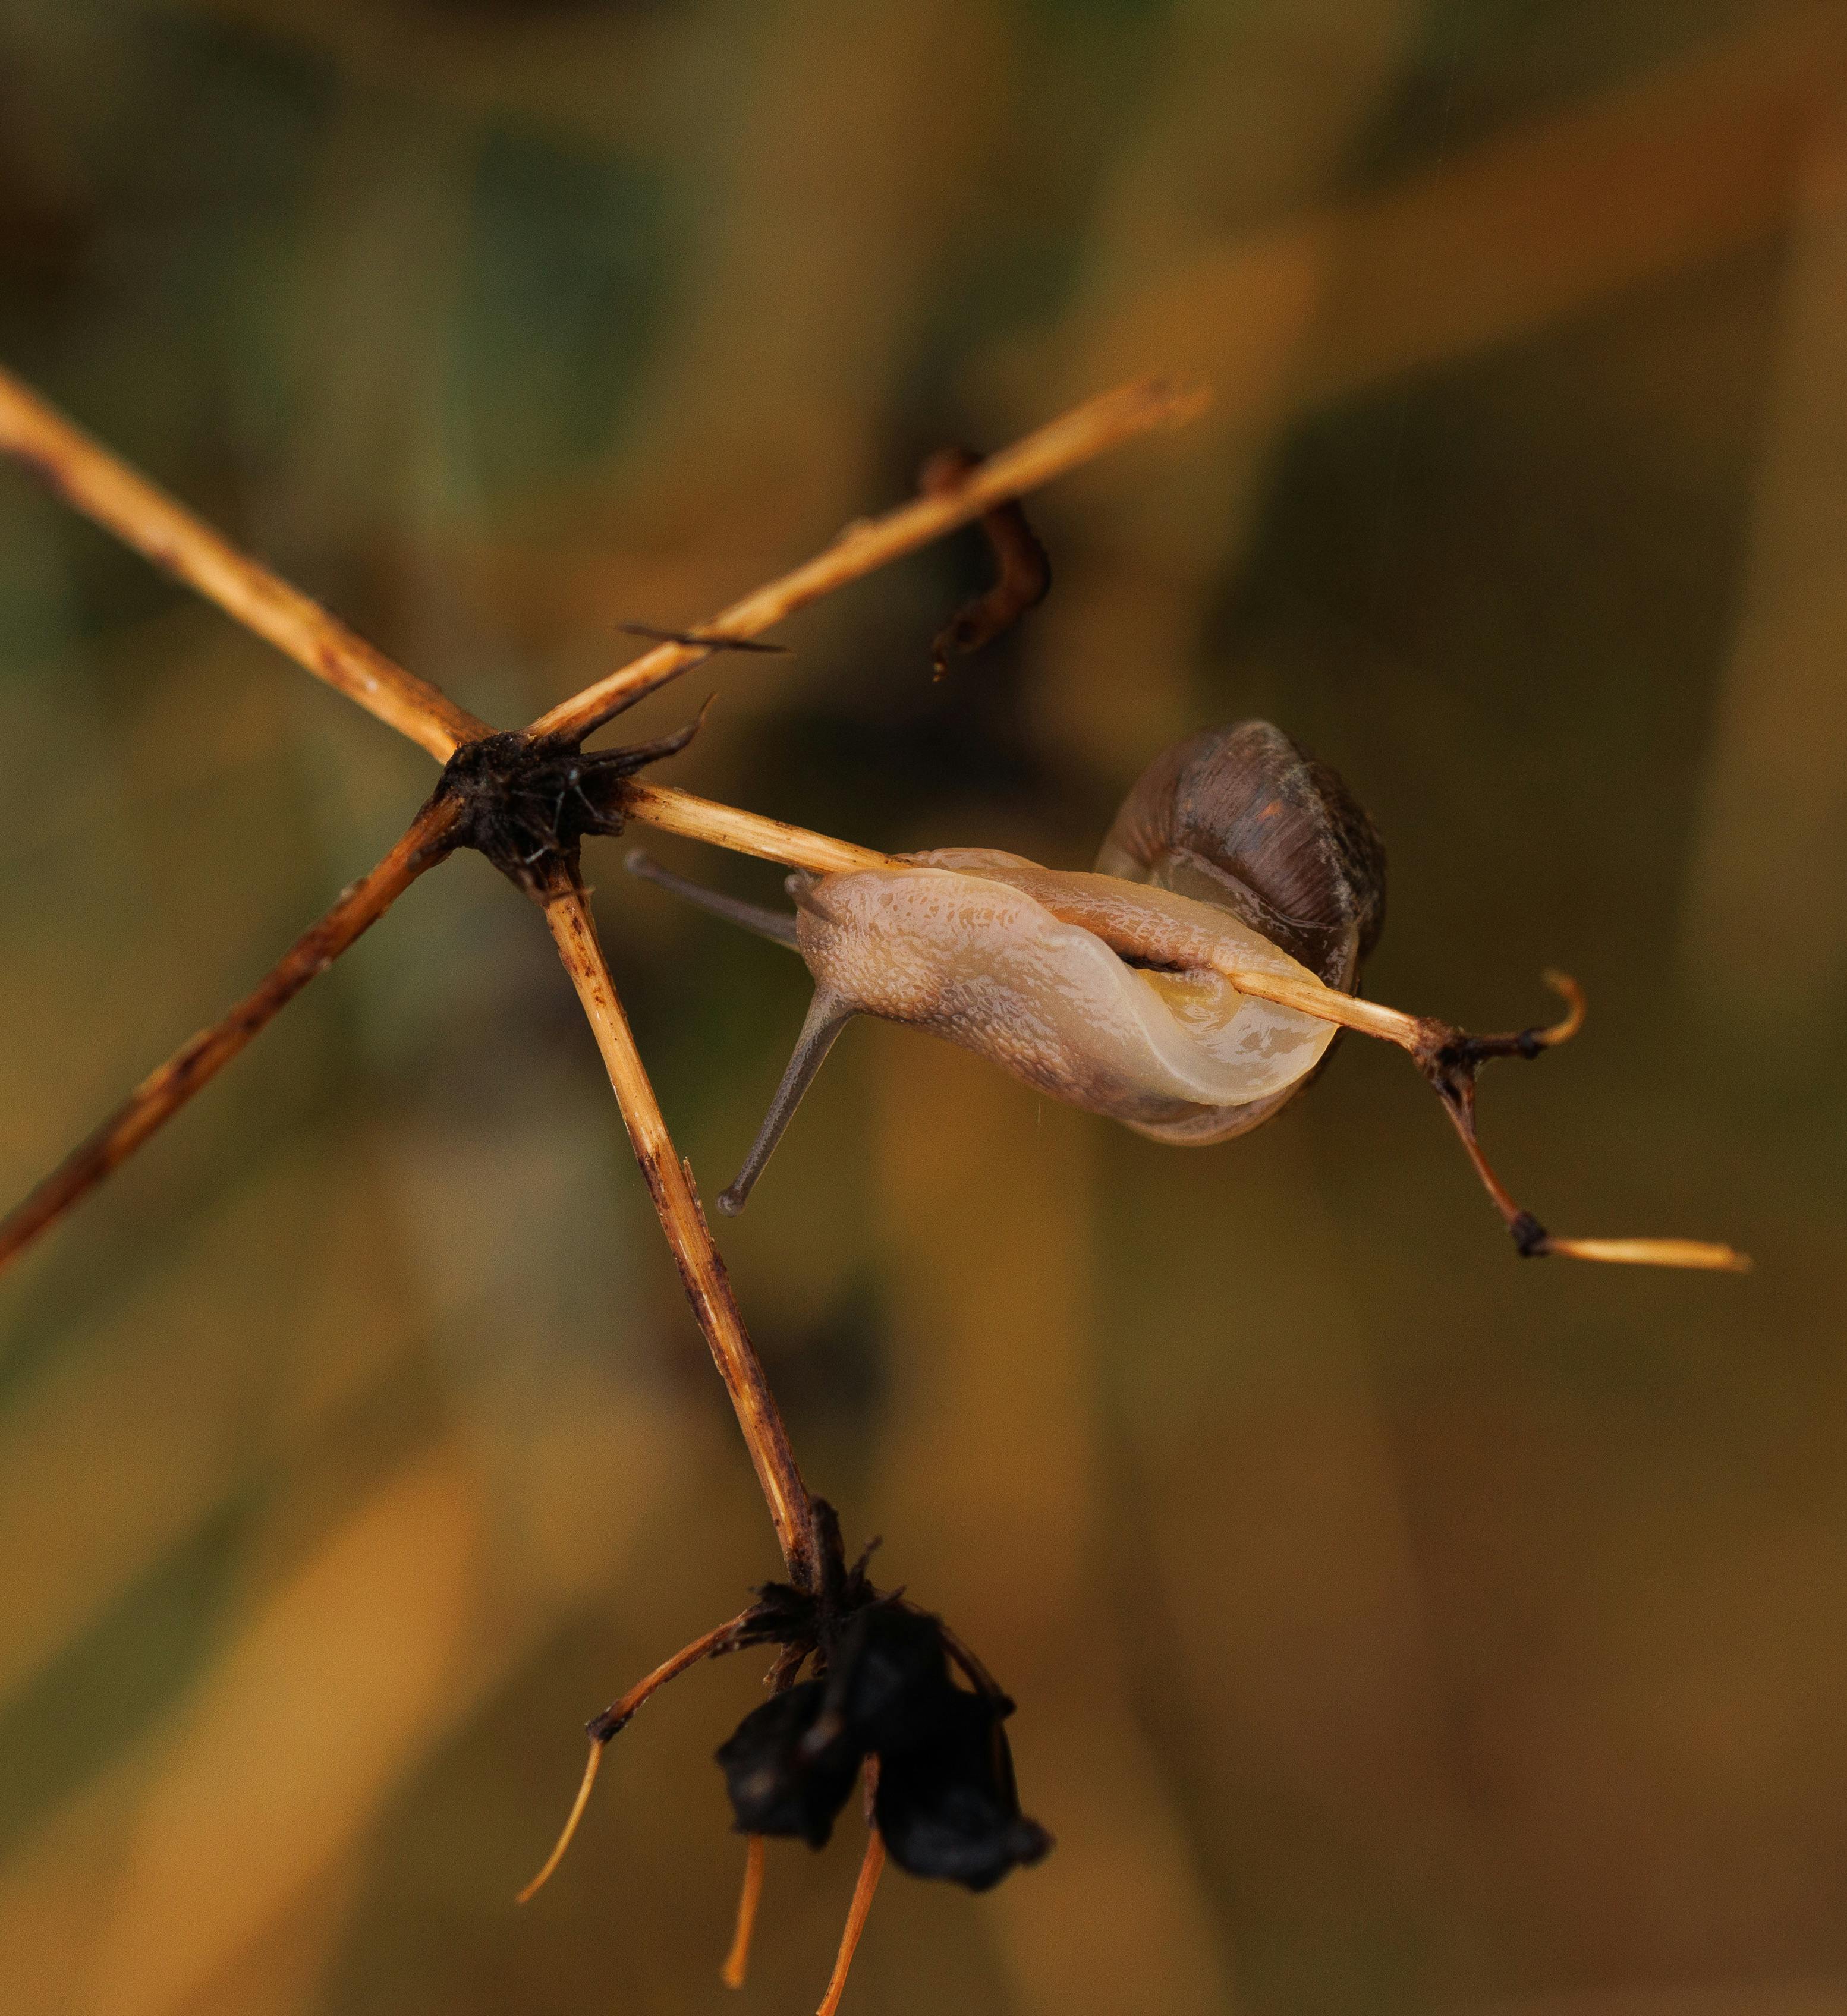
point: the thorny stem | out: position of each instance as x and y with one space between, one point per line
683 1219
160 1096
85 474
1073 438
616 1717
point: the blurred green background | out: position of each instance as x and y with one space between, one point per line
1396 1627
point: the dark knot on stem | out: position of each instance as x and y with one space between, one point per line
526 801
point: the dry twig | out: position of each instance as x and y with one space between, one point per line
160 1094
99 484
670 1184
616 1717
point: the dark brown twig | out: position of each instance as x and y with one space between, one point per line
694 641
1023 570
162 1094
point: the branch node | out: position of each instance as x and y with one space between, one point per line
1531 1239
526 800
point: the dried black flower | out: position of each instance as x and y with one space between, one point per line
785 1774
527 801
945 1804
864 1686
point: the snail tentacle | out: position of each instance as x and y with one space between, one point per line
779 925
827 1015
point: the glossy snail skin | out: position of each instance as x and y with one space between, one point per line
1015 962
1098 987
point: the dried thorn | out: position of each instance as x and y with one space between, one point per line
1468 1052
1572 1020
629 758
694 641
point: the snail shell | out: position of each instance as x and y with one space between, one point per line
1245 819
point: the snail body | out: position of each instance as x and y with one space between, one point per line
1017 963
1099 988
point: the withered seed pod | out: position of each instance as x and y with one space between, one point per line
1099 988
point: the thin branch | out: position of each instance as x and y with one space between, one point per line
671 810
567 1833
85 474
158 1097
616 1717
1074 438
676 1201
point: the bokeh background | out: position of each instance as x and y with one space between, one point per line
1396 1628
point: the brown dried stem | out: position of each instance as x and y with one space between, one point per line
86 475
683 1219
1061 445
1022 568
158 1097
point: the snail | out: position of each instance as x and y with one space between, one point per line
1099 988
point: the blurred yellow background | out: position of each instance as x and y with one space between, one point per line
1396 1627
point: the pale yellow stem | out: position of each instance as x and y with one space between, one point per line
568 1834
1698 1253
86 475
671 810
738 1961
683 1219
